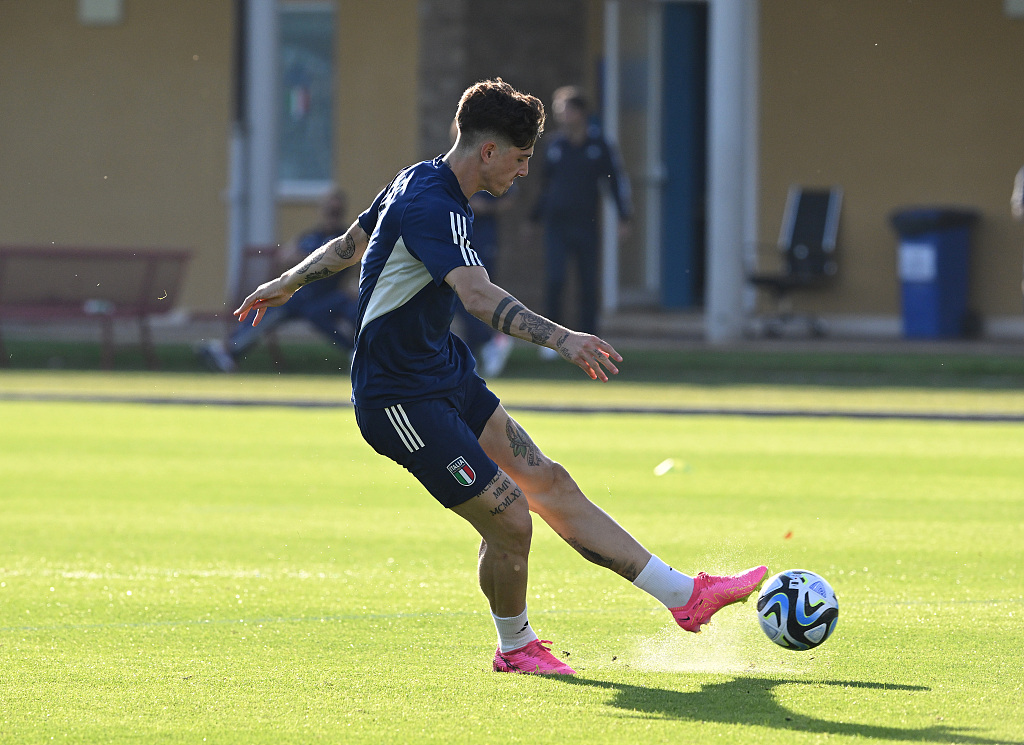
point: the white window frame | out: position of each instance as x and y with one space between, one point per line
306 189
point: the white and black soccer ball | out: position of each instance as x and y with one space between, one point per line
797 609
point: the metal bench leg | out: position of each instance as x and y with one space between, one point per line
107 344
146 342
274 348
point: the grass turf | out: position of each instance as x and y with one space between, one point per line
170 573
913 365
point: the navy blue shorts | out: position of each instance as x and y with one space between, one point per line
437 440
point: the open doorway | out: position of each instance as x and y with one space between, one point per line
684 153
659 50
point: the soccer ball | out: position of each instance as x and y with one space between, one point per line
797 609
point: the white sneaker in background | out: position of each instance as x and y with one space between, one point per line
495 354
215 356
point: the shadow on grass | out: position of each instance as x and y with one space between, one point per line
751 702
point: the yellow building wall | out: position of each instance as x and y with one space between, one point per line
118 136
901 104
375 106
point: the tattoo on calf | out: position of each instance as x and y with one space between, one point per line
521 443
628 571
589 555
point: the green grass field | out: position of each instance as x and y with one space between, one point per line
256 574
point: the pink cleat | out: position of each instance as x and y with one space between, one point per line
534 658
711 594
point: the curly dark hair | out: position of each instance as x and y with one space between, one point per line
494 106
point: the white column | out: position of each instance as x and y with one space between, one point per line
261 117
655 168
752 159
610 116
731 43
238 212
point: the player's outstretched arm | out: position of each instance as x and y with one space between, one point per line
331 258
496 307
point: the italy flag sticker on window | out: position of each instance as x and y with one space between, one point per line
460 469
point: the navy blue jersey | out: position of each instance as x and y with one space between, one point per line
420 228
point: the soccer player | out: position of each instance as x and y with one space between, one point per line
419 401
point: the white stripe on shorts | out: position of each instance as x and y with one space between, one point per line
400 421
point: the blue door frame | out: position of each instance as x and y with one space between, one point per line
684 152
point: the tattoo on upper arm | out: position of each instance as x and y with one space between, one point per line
521 443
539 328
348 250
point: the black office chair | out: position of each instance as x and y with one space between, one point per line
807 245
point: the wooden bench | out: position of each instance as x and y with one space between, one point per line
49 284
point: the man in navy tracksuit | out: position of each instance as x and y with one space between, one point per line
577 162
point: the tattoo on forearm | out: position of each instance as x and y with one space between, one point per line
346 250
522 445
513 307
309 263
562 350
496 318
538 327
506 327
310 260
314 276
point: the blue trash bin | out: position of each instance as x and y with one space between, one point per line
934 264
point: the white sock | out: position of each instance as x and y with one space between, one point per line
514 632
672 588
